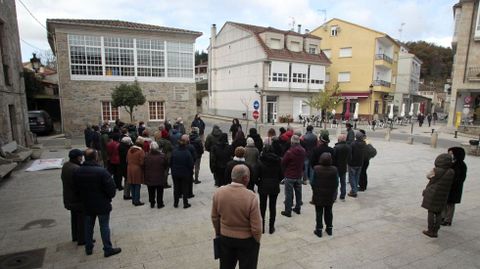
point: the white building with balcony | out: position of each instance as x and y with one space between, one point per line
408 81
286 66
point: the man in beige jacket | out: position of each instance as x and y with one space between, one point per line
236 219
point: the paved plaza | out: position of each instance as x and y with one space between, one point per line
382 228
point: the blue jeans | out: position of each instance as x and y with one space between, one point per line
343 184
353 177
292 185
104 231
135 189
307 170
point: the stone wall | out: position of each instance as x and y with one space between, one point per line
80 100
12 94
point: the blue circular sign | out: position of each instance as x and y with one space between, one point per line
256 104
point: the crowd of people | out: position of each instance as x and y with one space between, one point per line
241 167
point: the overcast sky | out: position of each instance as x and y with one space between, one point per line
429 20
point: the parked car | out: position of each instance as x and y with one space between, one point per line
40 121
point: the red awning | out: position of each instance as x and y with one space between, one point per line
354 95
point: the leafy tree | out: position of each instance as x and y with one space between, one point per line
129 96
200 57
326 100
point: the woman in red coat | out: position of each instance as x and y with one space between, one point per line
135 161
114 160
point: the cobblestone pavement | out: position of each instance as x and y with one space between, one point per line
379 229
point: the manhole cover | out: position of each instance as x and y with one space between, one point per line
23 260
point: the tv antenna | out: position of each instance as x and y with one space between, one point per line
293 24
400 30
324 11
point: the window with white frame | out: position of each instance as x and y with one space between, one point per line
343 76
129 57
299 77
156 110
279 77
275 43
150 58
85 55
312 49
109 113
295 46
334 30
119 54
180 59
328 53
345 52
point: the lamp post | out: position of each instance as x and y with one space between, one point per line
36 64
370 91
259 91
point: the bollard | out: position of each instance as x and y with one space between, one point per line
434 140
433 130
410 140
455 134
387 135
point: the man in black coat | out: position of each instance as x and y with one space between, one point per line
369 154
323 140
71 200
455 195
96 189
343 154
200 124
359 149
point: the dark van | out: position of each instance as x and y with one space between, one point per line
40 121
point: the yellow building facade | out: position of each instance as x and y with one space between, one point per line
364 63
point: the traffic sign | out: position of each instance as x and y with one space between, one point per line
255 114
256 104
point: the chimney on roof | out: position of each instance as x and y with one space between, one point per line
299 28
307 31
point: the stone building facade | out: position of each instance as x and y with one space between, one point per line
13 104
95 56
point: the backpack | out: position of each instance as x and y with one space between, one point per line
371 151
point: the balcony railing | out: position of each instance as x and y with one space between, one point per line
384 57
383 83
473 73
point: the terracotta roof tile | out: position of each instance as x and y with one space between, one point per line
284 54
123 25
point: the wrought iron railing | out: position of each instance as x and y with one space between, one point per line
384 57
383 83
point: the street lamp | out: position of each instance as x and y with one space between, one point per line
370 101
36 64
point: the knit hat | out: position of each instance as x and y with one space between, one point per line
75 153
250 142
359 136
324 136
295 139
240 152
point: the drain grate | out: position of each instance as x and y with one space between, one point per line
23 260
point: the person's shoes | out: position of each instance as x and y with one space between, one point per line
318 233
271 230
329 231
312 203
296 210
175 205
152 205
120 188
127 198
361 189
89 252
191 196
288 215
138 204
446 223
197 181
113 251
167 186
162 205
351 194
430 234
187 205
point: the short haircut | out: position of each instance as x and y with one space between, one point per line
91 154
309 128
239 152
239 171
153 145
271 132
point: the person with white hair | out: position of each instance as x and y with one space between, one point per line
155 165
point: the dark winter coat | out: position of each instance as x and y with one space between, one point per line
350 136
228 174
238 142
343 154
293 162
71 200
256 138
460 169
95 188
436 193
196 142
155 166
200 124
309 142
234 129
175 135
182 162
220 155
213 138
122 152
324 183
318 151
88 133
359 151
269 171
